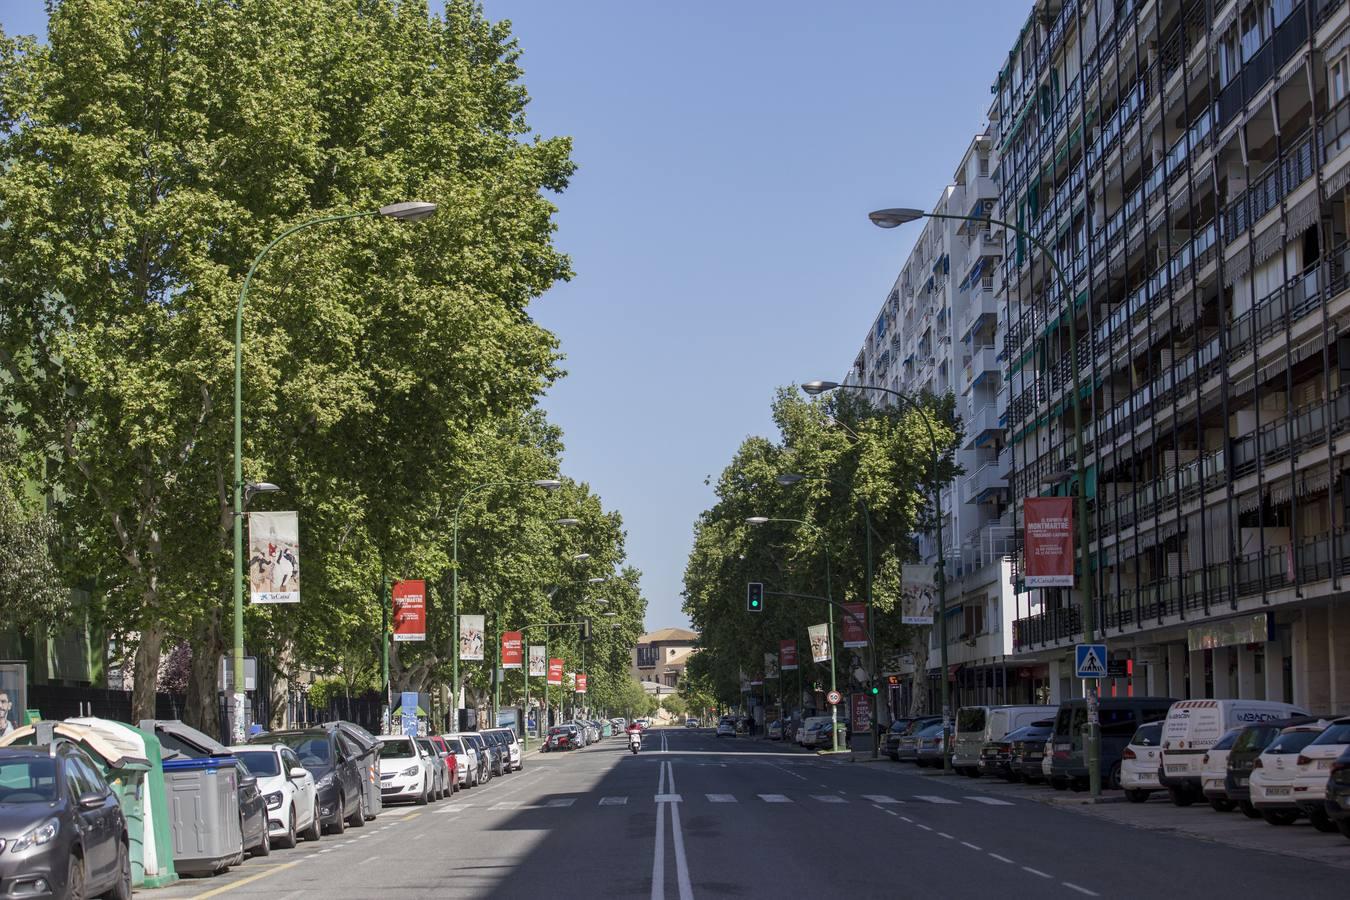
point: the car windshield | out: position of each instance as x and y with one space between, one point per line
1147 735
313 749
1338 733
262 763
1228 740
1254 738
917 726
28 780
397 748
899 726
970 719
1292 742
428 746
454 745
931 731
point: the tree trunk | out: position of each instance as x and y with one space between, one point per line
281 685
202 707
145 675
918 701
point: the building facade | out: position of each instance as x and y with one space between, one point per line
659 658
1182 167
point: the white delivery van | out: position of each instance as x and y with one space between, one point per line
978 725
1193 726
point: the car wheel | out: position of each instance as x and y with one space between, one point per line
1113 778
75 878
1218 804
1322 822
422 797
1180 797
121 889
1279 816
315 829
339 817
264 847
1135 796
358 818
1248 810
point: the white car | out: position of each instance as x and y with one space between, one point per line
1139 763
1214 772
440 769
1193 726
726 729
288 789
807 733
1273 774
1314 770
466 758
515 763
405 771
1047 760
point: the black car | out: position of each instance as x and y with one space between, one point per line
1251 742
997 757
891 742
1338 792
1028 752
69 835
339 771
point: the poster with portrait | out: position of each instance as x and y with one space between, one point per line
918 594
819 636
770 665
538 660
470 637
273 557
13 695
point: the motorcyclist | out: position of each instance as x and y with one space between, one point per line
634 735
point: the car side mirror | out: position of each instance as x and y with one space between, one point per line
298 772
91 800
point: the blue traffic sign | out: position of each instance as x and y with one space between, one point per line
1090 660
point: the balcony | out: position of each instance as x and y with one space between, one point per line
982 363
979 425
985 483
1049 627
980 305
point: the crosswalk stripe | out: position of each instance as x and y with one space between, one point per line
506 804
990 801
721 798
562 801
932 799
774 798
613 801
879 798
828 798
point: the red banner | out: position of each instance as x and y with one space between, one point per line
581 682
410 610
513 650
555 667
1048 524
862 713
787 655
855 624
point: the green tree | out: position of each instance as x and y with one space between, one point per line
675 705
31 587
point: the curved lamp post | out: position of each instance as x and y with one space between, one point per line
411 211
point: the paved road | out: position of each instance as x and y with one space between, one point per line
694 816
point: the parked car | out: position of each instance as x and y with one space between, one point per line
1193 726
726 729
451 762
977 726
692 723
473 761
810 729
288 792
1273 774
1048 765
1251 741
774 731
1314 768
907 748
1028 751
825 735
439 769
1338 792
463 766
890 742
405 771
996 756
932 746
1139 763
338 774
1214 772
560 737
486 764
512 745
1119 718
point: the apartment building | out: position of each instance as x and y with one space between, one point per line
659 658
1185 162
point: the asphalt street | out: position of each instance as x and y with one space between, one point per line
693 815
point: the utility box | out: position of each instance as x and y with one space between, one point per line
203 798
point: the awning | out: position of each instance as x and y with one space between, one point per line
1267 243
1304 215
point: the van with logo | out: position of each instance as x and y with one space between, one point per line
1193 726
1118 718
979 725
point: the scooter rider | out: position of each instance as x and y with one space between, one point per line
635 736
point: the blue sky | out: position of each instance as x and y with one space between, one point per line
728 154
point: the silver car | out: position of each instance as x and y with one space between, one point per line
440 770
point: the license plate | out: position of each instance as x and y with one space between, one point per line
1277 791
1177 767
1240 781
1324 763
1035 755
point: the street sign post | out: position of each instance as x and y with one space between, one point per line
834 697
1090 660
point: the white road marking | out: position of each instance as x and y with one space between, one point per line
561 802
1036 872
721 798
923 826
613 801
668 798
828 798
969 844
681 862
787 771
506 804
774 798
879 798
1082 890
932 799
1000 858
990 801
946 835
659 853
370 859
907 819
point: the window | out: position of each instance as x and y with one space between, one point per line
647 656
1337 78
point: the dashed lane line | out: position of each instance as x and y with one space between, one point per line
1000 858
969 844
989 801
1037 872
721 798
1082 890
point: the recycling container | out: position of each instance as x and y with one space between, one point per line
203 796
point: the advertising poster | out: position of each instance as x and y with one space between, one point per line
408 712
770 665
13 696
470 637
512 650
1048 524
538 661
581 682
861 705
855 624
918 595
410 610
819 636
787 655
555 673
273 557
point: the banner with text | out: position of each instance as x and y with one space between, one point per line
787 655
581 682
770 665
862 713
538 660
512 650
273 557
855 624
410 610
1048 525
555 667
819 635
918 594
470 637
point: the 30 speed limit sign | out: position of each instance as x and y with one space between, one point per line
834 697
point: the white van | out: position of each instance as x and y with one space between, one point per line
1193 726
977 725
806 737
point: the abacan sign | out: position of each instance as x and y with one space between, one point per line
1048 523
555 673
513 650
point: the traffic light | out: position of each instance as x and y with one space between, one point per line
586 628
875 690
754 597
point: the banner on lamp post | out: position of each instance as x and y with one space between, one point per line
512 650
555 672
410 610
1048 527
581 682
787 655
273 557
770 665
470 637
538 660
819 635
918 594
861 707
855 624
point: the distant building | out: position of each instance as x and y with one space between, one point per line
660 656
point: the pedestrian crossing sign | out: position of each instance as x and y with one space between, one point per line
1091 660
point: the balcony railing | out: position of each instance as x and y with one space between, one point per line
989 477
979 423
1049 627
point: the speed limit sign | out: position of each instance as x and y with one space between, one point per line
834 697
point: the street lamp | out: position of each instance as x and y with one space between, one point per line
578 557
787 479
890 218
816 388
410 211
